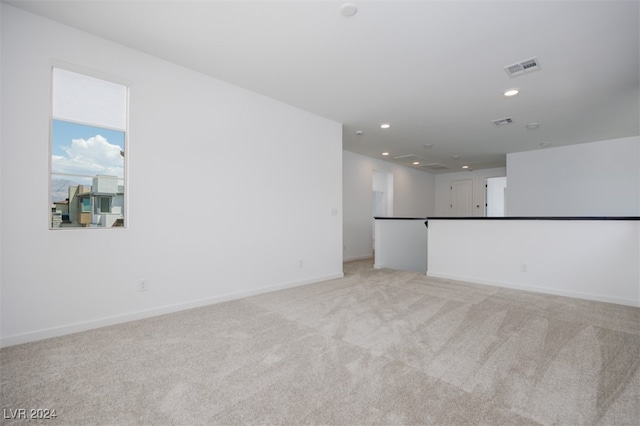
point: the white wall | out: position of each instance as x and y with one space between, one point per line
591 179
242 210
443 192
598 260
401 244
413 193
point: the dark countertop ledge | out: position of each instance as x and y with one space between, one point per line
516 218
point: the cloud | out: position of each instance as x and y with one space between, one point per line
93 156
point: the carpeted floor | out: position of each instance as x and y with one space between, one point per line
376 347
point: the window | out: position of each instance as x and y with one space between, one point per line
105 204
86 205
88 139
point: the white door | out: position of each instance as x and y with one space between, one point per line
461 198
496 188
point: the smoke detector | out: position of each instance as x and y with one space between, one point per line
522 67
348 9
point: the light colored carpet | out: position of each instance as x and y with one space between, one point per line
376 347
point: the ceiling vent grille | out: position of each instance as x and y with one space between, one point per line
503 121
523 67
409 158
435 167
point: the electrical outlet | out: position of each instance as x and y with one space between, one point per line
523 267
300 263
143 285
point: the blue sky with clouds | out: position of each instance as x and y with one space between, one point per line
86 150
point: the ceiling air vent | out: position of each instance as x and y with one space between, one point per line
434 167
502 121
522 67
409 158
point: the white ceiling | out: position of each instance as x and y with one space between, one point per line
434 70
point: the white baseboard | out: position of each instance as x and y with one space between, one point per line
119 319
349 259
538 289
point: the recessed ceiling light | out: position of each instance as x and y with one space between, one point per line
359 132
532 126
545 144
455 157
385 125
415 163
428 145
511 92
465 167
385 153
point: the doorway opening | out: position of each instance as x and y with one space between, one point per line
381 198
